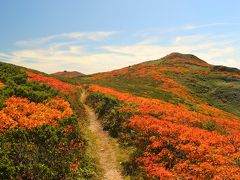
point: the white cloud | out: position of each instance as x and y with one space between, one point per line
66 37
190 39
95 36
192 27
5 56
65 52
184 28
214 52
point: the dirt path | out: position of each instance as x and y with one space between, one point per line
104 148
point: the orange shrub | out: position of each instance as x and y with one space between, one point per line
174 113
53 82
1 84
168 83
180 151
231 74
182 60
178 144
154 72
23 113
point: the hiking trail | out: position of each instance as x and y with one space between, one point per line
104 149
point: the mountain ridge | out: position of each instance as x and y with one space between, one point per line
176 77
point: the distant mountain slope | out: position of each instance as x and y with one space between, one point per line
68 74
176 78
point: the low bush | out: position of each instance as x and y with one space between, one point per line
44 152
54 150
110 113
15 83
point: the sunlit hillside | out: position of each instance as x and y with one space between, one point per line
179 112
170 118
177 78
40 136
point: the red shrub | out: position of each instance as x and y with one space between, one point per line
23 113
53 82
178 145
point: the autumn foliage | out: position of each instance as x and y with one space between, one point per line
176 150
40 138
153 72
177 142
20 112
175 113
56 84
1 84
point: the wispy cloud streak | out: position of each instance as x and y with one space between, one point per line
192 27
72 36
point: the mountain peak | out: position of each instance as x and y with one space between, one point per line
176 57
68 74
180 55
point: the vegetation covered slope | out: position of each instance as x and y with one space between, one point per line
40 137
170 141
177 78
179 114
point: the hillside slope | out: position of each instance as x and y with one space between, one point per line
40 136
177 78
178 115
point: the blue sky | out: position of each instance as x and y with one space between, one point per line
100 35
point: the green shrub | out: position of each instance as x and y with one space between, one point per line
111 117
44 152
15 80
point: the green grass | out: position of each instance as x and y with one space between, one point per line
144 87
216 90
